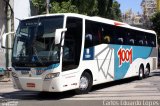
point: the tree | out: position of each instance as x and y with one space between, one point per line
40 5
155 19
63 7
103 8
87 7
115 11
57 6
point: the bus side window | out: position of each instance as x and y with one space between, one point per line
141 42
89 37
107 39
145 40
151 40
146 43
152 43
131 41
72 44
88 40
93 34
120 41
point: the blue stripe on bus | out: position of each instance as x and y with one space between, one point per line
49 67
39 71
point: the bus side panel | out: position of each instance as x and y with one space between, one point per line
104 57
128 60
100 61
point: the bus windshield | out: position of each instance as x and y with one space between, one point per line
34 42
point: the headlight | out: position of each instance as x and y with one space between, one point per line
14 75
52 75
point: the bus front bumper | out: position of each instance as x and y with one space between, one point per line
36 84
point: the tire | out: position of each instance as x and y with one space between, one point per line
141 73
85 84
147 71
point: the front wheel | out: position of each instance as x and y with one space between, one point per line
85 84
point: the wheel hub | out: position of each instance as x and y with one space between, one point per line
141 73
83 83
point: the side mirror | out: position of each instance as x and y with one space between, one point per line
4 40
58 34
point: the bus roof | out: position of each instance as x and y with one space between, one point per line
97 19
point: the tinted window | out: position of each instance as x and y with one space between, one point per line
72 43
93 35
98 33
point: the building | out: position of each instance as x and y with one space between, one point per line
21 11
131 18
10 11
149 7
3 24
6 25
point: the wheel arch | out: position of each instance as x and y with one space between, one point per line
141 65
88 71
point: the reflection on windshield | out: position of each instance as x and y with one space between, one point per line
34 42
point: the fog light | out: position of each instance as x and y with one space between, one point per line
52 75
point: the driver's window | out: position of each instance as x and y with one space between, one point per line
72 43
68 50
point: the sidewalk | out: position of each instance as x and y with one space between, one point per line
6 80
6 86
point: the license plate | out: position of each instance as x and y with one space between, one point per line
31 85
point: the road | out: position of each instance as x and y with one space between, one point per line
114 93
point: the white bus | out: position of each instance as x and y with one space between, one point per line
60 52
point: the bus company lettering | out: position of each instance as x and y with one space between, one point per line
124 55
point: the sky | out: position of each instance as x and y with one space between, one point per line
135 5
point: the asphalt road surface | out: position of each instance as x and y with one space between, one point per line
126 92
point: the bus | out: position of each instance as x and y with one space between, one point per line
68 51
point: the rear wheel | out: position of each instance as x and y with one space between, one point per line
141 73
147 71
85 84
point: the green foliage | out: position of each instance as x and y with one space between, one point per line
103 8
63 7
40 5
156 24
87 7
116 12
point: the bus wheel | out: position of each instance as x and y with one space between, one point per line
85 84
141 73
147 71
